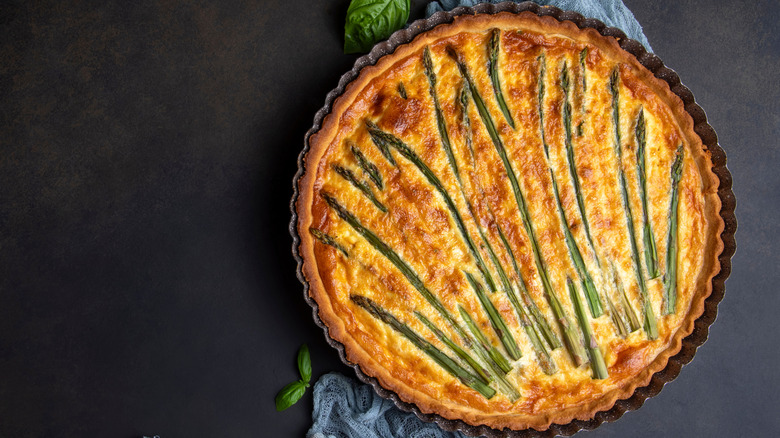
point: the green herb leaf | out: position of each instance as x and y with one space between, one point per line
304 363
290 394
370 21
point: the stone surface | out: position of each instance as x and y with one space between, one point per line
146 157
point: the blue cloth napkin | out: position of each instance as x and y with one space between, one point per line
612 12
345 408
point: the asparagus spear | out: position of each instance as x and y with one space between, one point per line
594 301
614 89
493 51
670 278
575 178
584 76
327 240
483 373
651 256
594 353
401 265
462 102
496 320
360 185
649 315
546 362
381 142
370 168
650 325
625 304
497 360
617 319
391 255
402 90
583 55
499 369
572 340
434 353
543 357
540 94
445 138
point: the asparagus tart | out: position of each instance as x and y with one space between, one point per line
509 221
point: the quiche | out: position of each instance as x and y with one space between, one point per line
509 221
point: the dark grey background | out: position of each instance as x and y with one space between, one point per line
146 157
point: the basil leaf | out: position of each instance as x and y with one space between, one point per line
290 394
304 363
370 21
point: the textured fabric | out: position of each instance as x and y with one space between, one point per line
344 408
612 12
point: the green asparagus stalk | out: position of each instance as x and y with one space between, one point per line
575 178
402 90
625 304
650 324
594 352
370 168
440 123
402 266
670 278
381 142
482 372
407 152
496 357
360 185
651 253
540 94
584 77
614 88
617 319
504 282
496 320
443 360
493 52
594 301
499 369
572 340
327 240
650 321
462 102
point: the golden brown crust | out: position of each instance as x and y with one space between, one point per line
319 260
